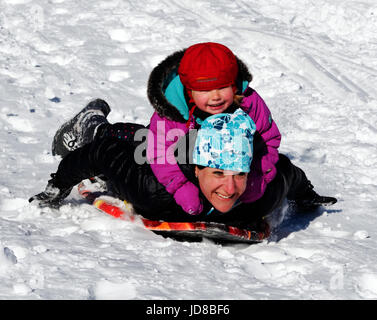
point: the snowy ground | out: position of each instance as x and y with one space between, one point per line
314 63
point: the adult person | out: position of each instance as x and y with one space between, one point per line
220 163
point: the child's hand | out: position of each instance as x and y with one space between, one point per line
188 198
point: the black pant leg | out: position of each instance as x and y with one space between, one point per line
121 130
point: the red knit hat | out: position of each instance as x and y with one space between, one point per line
208 66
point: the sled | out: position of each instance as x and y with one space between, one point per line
93 192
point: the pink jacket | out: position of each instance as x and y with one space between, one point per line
161 150
168 124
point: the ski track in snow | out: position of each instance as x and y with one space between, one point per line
314 63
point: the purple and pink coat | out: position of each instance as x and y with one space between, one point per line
171 120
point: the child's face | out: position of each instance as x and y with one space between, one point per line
214 101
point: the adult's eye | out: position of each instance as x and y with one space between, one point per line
218 173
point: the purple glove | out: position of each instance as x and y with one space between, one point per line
188 198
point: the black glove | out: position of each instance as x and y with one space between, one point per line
52 196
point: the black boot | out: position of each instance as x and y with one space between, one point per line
310 200
80 130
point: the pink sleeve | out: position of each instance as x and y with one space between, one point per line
268 130
162 136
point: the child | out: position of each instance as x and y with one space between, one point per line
186 88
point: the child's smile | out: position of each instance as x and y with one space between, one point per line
214 101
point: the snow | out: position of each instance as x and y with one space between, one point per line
314 63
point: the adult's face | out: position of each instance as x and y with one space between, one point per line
221 187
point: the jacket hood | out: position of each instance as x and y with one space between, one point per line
166 92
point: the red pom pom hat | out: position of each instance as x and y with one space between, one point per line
207 66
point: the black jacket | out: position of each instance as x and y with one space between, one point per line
136 183
130 181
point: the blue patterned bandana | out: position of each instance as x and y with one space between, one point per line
225 141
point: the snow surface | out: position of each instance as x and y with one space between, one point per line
314 63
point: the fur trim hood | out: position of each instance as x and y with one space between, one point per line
164 74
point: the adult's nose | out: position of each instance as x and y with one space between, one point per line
229 184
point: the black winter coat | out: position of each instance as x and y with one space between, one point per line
114 158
